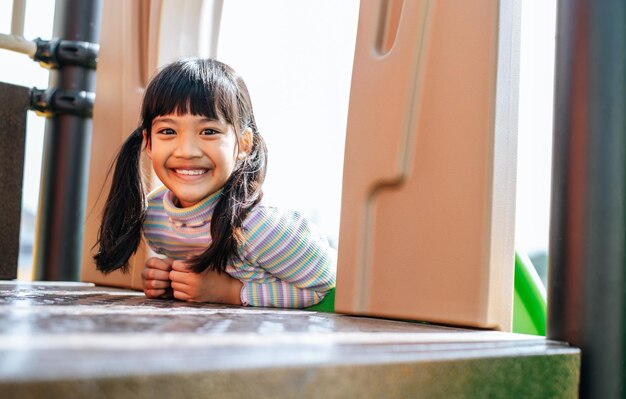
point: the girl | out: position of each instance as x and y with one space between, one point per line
221 243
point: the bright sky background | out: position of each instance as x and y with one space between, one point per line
306 47
535 125
297 63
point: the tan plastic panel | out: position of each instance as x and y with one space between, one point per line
428 188
122 69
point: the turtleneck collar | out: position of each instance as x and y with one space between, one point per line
193 216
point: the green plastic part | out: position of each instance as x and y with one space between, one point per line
327 305
529 304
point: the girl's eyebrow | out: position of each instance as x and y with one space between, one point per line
213 120
203 120
162 119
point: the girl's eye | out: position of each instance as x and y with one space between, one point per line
209 132
167 132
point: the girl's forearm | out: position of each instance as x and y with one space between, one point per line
281 294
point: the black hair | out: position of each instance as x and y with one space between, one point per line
202 87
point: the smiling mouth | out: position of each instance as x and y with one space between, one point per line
191 172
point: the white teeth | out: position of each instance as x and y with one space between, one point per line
190 172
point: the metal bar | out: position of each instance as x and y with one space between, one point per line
18 44
65 165
587 238
18 15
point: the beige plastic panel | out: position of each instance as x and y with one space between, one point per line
132 46
122 70
429 176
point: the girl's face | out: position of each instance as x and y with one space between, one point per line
192 155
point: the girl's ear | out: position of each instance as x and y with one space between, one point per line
148 146
246 140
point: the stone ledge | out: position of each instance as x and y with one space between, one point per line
85 341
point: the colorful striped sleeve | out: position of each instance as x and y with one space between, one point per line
289 248
154 223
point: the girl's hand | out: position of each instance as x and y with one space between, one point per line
156 278
208 286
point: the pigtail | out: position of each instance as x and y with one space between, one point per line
239 196
124 211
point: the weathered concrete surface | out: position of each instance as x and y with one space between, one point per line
81 341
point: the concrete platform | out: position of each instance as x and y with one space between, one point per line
82 341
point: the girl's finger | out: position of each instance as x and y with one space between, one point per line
155 274
183 296
158 263
180 287
156 284
181 266
180 277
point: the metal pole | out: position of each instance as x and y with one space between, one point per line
587 239
65 164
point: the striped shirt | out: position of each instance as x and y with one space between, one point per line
284 262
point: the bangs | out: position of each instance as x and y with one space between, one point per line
191 87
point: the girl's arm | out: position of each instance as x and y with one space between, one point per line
279 294
286 246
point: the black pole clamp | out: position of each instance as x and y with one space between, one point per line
56 53
56 101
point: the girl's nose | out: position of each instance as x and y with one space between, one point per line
187 146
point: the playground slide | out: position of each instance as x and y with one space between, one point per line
529 302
